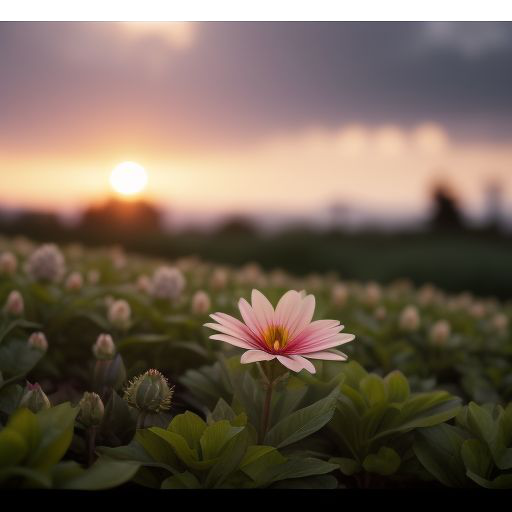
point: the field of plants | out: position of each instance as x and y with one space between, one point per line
109 377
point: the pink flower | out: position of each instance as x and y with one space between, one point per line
286 333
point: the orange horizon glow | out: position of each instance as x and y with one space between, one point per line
291 172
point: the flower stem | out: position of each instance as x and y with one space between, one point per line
266 409
91 445
140 420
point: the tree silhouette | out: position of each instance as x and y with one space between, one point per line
446 215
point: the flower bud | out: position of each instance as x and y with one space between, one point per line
168 283
93 276
477 310
91 410
14 305
34 398
201 303
219 278
109 374
38 341
500 322
144 284
149 392
104 347
426 294
372 294
8 263
46 263
278 278
380 313
339 294
119 314
74 281
440 332
409 318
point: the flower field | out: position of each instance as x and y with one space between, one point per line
109 377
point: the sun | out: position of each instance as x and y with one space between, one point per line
128 178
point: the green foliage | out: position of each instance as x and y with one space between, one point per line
374 417
477 450
391 418
215 454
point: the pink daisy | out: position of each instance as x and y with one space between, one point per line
286 333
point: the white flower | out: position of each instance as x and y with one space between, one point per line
372 294
104 347
500 322
219 278
8 263
339 294
380 313
409 318
46 263
144 284
38 341
74 281
93 276
440 332
119 314
200 303
14 305
168 283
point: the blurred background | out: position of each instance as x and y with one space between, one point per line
373 150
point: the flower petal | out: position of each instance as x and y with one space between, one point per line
307 365
304 315
252 356
291 364
249 317
236 333
232 341
328 356
263 310
334 341
288 304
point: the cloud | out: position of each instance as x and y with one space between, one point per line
472 40
78 87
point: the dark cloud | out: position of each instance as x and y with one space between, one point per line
79 84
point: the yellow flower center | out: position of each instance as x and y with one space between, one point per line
276 337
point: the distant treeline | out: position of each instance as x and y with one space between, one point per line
445 251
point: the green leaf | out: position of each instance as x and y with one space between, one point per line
190 426
30 478
481 422
181 448
439 451
299 468
25 423
347 466
158 449
56 425
257 462
230 459
397 387
17 358
13 448
422 410
308 482
385 462
10 397
215 437
185 480
103 474
477 457
373 389
302 423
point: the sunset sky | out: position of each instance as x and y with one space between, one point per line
280 119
